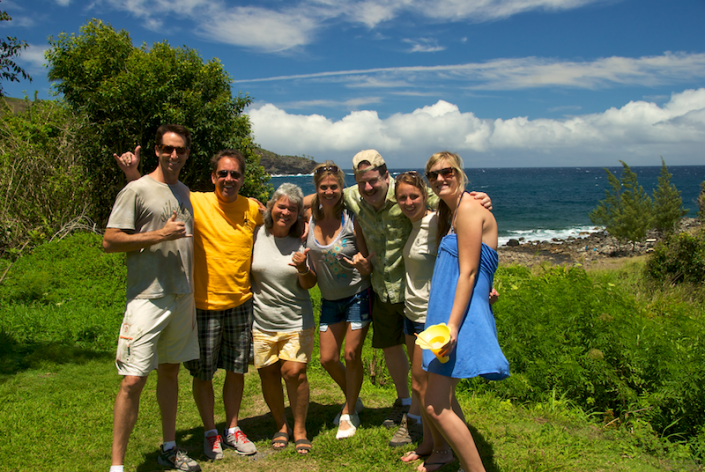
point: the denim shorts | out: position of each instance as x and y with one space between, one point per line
412 327
355 310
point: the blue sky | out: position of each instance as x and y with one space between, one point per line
504 83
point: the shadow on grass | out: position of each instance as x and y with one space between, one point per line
485 449
320 418
18 357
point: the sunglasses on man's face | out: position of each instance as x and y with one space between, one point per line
224 174
331 169
433 175
180 150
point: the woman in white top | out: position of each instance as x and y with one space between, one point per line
419 259
283 329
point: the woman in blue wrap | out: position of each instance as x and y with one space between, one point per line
462 280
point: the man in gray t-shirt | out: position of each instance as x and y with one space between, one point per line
152 221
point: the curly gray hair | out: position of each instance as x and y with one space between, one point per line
295 196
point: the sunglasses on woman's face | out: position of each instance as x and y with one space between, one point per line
433 175
332 169
224 173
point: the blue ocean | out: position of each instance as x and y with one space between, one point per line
545 203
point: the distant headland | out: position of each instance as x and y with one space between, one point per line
275 164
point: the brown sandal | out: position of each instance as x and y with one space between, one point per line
303 446
280 440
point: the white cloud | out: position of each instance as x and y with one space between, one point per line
486 10
33 56
529 72
346 104
641 130
20 22
63 3
565 108
424 45
295 24
259 28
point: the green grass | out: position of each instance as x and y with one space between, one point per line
61 306
59 417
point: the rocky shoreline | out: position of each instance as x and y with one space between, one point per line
586 249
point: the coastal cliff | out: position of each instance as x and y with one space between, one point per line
275 164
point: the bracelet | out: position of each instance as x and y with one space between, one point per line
304 272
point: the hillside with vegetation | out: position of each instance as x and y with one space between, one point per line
275 164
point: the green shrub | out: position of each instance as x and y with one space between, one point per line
43 186
587 338
679 258
67 292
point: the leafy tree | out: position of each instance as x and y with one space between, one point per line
9 48
668 205
125 93
627 211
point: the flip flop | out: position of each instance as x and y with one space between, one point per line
435 465
303 446
280 440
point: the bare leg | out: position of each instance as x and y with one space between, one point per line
168 398
355 339
205 401
331 342
294 374
273 394
355 374
127 405
439 407
232 397
419 380
398 366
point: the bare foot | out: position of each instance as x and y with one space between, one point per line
412 456
436 460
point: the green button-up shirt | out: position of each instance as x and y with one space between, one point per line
386 232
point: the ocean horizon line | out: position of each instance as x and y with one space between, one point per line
402 169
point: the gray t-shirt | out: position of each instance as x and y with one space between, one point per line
336 278
419 258
280 303
165 268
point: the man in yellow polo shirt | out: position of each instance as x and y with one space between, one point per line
223 227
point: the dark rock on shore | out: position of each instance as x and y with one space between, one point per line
584 250
285 165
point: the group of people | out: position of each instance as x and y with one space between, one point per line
208 274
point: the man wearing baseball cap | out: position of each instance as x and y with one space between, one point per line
386 230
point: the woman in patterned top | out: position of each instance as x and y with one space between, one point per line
338 254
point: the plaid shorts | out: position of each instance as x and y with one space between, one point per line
224 339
